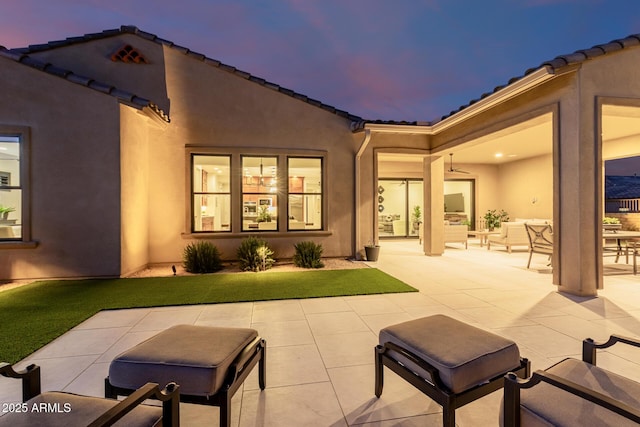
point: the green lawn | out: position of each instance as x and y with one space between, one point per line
35 314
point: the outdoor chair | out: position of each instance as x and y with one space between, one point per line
55 409
451 362
573 393
210 364
633 248
540 240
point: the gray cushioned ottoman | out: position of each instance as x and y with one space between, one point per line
452 362
209 364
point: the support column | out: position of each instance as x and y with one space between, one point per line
577 199
433 228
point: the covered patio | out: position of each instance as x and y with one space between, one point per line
320 362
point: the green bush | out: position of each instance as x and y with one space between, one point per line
308 255
202 257
254 255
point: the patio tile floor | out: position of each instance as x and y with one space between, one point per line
320 351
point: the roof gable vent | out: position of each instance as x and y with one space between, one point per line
127 54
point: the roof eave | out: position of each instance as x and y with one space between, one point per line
524 84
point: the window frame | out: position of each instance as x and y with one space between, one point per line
264 195
23 133
321 193
195 194
236 154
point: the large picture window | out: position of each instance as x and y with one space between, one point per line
305 193
211 193
11 188
259 193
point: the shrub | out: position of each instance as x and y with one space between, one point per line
202 257
308 255
254 254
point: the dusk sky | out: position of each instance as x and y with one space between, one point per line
389 60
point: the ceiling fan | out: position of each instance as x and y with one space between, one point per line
451 168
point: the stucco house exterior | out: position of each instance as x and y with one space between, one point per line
119 148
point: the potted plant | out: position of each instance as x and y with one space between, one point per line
4 212
372 251
611 223
416 217
493 218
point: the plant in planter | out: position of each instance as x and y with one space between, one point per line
372 251
5 211
416 217
611 223
493 218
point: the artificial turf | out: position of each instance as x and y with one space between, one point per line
35 314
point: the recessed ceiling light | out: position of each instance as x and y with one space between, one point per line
498 155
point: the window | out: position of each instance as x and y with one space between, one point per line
211 193
259 193
11 187
305 193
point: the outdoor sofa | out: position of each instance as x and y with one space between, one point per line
511 234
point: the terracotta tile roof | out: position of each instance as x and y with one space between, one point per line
127 97
358 123
128 29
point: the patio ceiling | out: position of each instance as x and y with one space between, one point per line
532 138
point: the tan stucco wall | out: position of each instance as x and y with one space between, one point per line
134 164
215 111
75 176
525 188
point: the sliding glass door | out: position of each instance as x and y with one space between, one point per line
399 202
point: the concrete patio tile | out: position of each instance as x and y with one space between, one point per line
81 342
494 317
354 386
270 311
355 348
578 328
226 315
57 372
324 305
127 341
309 405
380 321
320 368
411 299
628 326
114 318
374 305
159 320
86 383
549 342
459 300
299 364
336 323
284 333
